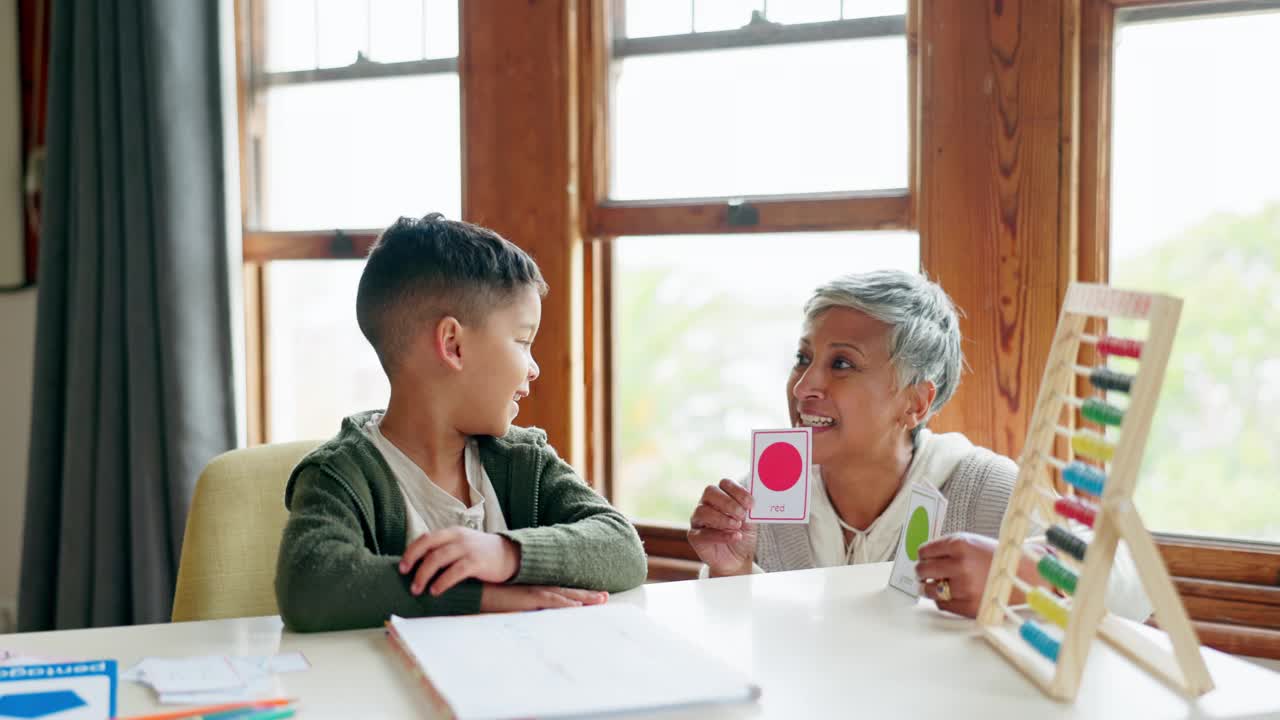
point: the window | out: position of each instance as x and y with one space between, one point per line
707 336
313 341
1196 214
757 105
756 149
352 118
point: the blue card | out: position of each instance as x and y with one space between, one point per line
65 691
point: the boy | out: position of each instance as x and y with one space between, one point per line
438 505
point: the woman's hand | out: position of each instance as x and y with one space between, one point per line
719 531
963 561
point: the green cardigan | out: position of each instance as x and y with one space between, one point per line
338 564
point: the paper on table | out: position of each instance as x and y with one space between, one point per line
575 661
214 679
259 688
194 674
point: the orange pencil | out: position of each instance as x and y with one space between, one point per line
196 712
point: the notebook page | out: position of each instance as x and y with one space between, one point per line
573 661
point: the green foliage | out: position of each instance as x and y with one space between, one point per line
1212 465
689 386
696 369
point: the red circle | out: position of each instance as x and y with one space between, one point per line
780 466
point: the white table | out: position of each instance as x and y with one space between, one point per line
820 643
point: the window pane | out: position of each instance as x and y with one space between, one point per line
723 14
320 368
873 8
803 11
814 117
706 332
342 31
291 35
396 31
360 153
1196 214
646 18
442 28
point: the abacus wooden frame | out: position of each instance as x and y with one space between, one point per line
1231 588
1117 518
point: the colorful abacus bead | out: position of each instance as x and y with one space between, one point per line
1057 573
1078 510
1062 539
1108 379
1100 412
1084 477
1037 638
1120 347
1093 445
1048 607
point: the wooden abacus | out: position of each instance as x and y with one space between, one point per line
1078 570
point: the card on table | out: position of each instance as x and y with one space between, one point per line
925 511
780 461
68 691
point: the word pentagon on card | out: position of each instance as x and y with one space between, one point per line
66 691
780 461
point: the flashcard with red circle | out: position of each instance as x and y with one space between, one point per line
780 462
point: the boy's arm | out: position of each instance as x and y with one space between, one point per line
583 541
326 579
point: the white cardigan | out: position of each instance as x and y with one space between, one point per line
977 484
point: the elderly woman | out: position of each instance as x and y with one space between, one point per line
880 355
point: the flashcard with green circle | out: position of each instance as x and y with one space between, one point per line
780 462
922 523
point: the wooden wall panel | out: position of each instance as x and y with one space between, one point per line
1097 33
992 184
519 72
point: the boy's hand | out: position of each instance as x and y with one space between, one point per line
459 553
518 598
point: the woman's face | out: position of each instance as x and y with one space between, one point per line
845 387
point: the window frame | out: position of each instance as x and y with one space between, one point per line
602 39
261 246
1225 584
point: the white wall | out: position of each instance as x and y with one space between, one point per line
17 324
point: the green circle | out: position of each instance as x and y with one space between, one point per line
917 532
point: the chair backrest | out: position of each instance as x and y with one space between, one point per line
228 565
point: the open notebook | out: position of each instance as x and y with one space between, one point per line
557 663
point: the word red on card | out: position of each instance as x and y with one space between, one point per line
780 462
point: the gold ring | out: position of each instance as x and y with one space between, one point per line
944 590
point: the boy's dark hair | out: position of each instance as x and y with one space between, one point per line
421 270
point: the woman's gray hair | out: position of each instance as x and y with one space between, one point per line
924 336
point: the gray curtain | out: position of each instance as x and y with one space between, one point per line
133 381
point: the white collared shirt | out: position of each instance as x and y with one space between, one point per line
427 505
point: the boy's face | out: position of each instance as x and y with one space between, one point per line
498 365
